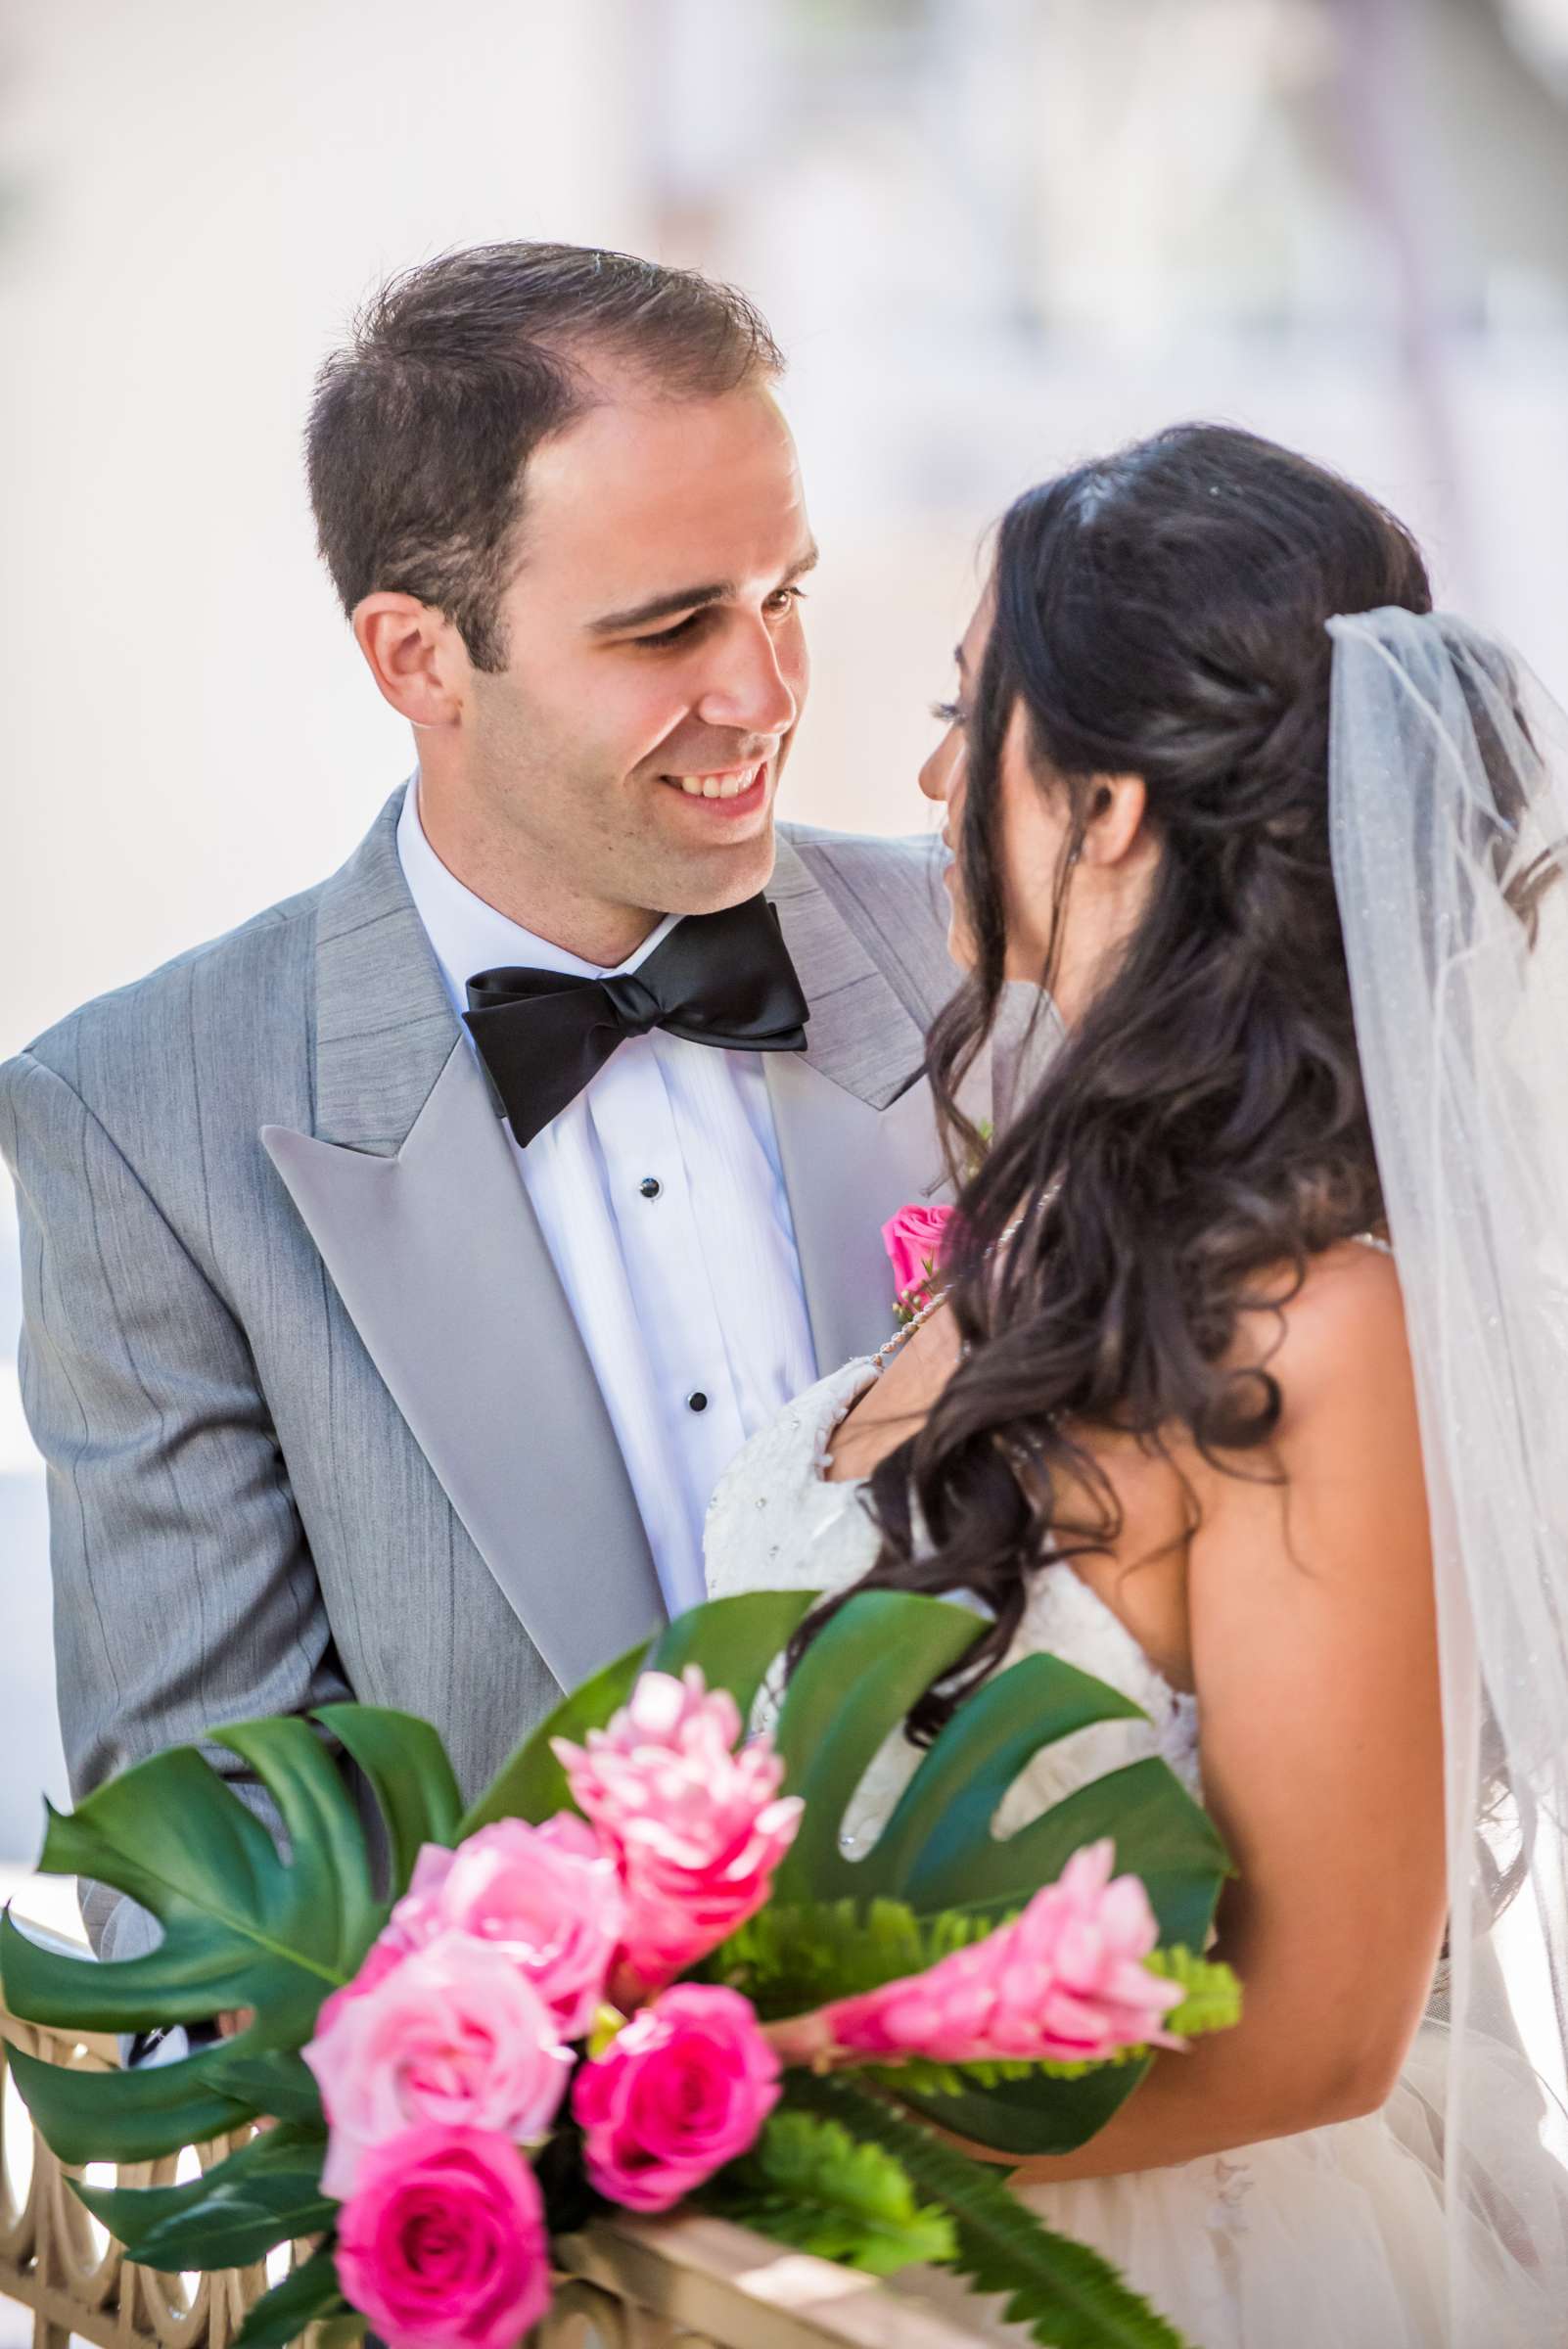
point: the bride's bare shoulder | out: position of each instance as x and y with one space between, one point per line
1337 1353
1340 1335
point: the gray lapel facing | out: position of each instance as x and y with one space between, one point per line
410 1189
852 1116
861 1034
847 1169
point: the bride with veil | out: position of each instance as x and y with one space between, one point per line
1247 1387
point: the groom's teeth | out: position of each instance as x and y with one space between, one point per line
717 787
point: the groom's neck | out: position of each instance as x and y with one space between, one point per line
519 884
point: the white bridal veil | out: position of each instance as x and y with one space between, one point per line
1449 790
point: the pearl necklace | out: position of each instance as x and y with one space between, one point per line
907 1329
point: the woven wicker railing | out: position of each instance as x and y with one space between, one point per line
668 2283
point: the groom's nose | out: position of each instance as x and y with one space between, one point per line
750 688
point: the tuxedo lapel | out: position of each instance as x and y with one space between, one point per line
410 1191
861 1035
383 1024
853 1119
847 1169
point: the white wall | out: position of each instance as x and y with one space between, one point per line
200 193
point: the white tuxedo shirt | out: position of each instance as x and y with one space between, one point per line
662 1201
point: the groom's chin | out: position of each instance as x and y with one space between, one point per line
705 877
745 870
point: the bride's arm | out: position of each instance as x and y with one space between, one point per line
1314 1658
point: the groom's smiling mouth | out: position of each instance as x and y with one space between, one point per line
736 790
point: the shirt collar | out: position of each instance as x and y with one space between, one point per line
469 936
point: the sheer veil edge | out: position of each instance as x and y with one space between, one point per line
1449 806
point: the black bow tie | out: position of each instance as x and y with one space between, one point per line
722 978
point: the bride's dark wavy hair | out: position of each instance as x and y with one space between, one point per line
1160 612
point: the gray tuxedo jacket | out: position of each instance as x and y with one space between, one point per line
316 1416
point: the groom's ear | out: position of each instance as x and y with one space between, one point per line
417 658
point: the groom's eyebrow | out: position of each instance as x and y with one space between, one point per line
688 599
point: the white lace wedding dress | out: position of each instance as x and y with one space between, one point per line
1330 2239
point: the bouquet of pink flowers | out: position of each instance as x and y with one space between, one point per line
640 1970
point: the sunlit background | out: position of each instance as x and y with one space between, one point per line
993 235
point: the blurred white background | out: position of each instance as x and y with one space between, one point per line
993 235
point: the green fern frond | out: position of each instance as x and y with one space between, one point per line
1214 1995
789 1958
923 2076
1068 2296
809 2183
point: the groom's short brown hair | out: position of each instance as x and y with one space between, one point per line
422 426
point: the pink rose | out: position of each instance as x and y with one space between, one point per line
697 1827
384 1954
915 1239
550 1897
417 1917
1065 1982
455 2035
683 2089
408 1928
442 2246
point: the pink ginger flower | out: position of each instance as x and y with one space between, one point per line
549 1896
1065 1982
695 1818
683 2089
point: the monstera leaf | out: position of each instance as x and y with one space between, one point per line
267 2193
937 1853
243 1926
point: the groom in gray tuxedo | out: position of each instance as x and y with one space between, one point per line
402 1269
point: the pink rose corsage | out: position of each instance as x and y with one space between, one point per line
917 1240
